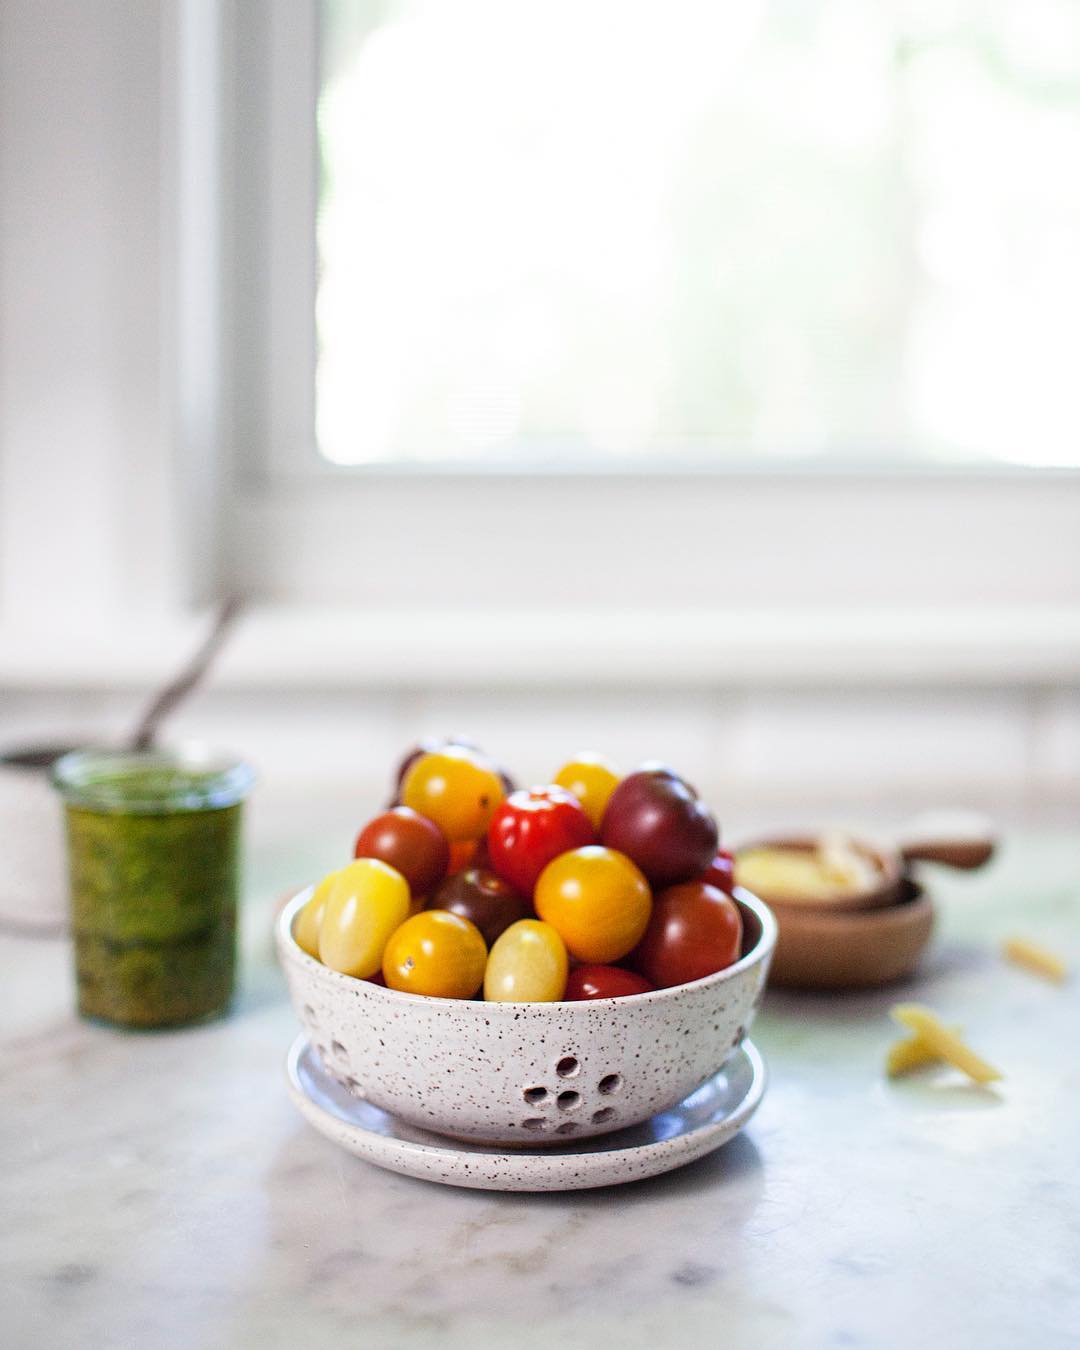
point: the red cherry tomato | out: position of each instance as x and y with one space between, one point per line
411 843
604 982
721 872
694 931
532 827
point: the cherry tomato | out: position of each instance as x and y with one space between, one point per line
462 855
411 843
532 827
436 953
527 964
597 900
605 982
456 788
482 897
307 923
657 818
367 901
432 743
592 780
721 872
425 746
694 931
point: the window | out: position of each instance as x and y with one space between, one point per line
584 233
636 309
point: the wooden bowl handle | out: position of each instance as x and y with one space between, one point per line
962 841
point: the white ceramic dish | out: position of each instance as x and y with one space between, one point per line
709 1117
526 1074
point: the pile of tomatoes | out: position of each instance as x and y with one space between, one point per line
595 886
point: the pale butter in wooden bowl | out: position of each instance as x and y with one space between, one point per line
848 914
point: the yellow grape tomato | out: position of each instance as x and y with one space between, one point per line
527 964
308 922
368 899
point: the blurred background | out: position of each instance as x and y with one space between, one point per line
694 381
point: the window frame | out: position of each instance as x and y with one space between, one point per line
161 494
285 490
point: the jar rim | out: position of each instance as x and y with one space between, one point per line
191 777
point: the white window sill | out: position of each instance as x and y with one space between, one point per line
285 648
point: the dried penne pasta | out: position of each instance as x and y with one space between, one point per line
912 1053
1035 958
950 1047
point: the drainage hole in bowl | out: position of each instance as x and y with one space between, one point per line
533 1123
567 1067
338 1049
567 1101
534 1095
605 1113
611 1082
309 1012
567 1127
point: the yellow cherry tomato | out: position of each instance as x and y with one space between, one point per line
436 953
456 788
592 780
527 964
597 900
367 901
307 923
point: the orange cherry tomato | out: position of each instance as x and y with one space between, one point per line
527 964
461 855
592 780
597 900
456 788
436 953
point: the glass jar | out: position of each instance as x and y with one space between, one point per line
153 841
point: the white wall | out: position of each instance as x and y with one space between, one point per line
782 755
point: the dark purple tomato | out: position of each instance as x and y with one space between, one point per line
484 898
695 930
409 842
660 823
604 982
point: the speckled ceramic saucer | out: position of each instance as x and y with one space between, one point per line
702 1122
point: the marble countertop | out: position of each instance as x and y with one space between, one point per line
160 1190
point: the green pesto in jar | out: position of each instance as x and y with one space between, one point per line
153 851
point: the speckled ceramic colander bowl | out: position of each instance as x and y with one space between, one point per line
527 1073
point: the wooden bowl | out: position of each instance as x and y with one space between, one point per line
851 949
